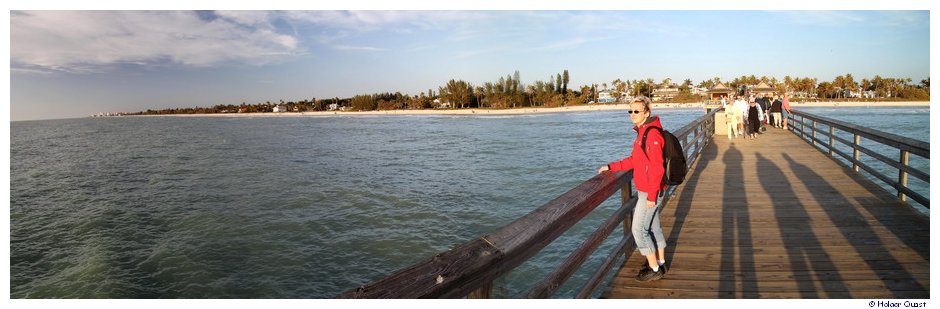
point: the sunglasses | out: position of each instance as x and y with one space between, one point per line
635 111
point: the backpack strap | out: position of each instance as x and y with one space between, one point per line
645 133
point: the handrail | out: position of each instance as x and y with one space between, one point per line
905 146
700 131
471 267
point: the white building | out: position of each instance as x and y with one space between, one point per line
280 108
665 92
605 97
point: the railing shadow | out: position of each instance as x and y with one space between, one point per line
736 233
792 219
685 199
860 237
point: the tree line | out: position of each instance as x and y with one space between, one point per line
509 92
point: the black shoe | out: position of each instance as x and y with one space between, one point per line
649 275
646 267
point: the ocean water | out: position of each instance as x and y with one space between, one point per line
293 207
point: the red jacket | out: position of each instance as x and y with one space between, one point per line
647 171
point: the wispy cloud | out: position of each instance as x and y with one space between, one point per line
76 40
356 48
570 43
477 52
364 21
823 18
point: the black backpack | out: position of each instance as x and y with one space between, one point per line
673 157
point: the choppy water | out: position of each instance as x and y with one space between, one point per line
282 207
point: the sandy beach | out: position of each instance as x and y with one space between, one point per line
534 110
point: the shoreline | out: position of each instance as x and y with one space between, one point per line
526 110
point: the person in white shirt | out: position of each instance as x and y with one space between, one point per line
741 104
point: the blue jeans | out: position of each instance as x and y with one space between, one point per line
643 230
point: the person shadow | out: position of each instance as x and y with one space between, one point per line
685 199
861 235
806 260
737 269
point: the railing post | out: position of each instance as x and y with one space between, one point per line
625 196
902 175
831 137
484 292
802 127
855 152
814 132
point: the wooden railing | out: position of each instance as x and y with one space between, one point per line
806 126
470 269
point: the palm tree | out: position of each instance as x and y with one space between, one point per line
839 82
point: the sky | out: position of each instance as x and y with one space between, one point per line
75 63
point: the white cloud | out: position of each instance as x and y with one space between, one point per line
364 21
79 40
823 18
357 48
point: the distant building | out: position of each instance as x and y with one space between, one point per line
439 104
605 97
333 106
280 108
719 91
665 92
762 89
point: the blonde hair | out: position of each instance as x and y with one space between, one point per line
645 101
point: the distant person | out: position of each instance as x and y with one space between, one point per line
753 119
764 102
776 108
647 166
732 119
741 104
786 107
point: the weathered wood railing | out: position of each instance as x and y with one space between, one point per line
470 269
806 126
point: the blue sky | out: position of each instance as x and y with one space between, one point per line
68 64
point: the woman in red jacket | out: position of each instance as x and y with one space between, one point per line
647 166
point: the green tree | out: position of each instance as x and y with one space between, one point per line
564 80
457 92
363 102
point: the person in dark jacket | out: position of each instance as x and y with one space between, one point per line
764 103
647 165
754 114
776 111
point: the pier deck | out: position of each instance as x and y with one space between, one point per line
774 218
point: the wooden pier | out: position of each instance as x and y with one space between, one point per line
774 218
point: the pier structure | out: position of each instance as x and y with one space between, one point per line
791 214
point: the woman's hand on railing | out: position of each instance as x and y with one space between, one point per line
603 169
